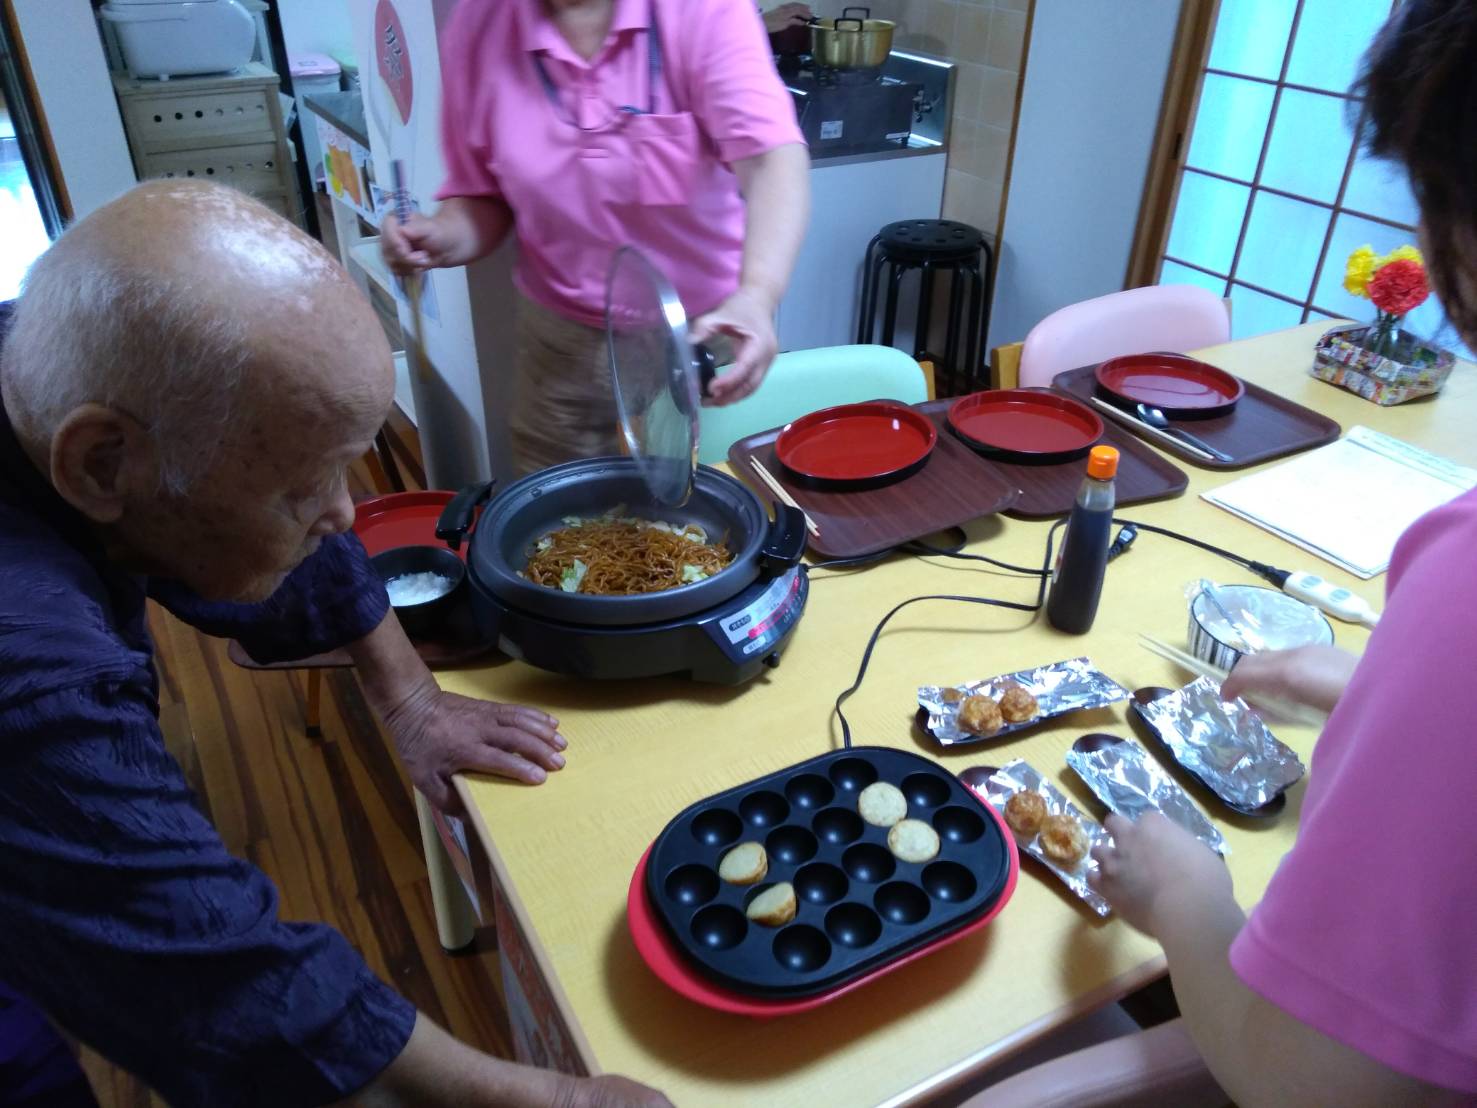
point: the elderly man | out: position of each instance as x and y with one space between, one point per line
185 381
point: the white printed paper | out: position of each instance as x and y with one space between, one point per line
1348 502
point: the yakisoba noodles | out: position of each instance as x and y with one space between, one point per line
618 555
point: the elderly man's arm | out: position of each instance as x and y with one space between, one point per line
332 598
434 1068
129 922
335 599
439 733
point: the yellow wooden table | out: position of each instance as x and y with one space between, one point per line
563 854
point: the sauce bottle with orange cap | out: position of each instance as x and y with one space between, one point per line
1078 581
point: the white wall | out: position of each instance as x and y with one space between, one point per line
1094 81
61 42
318 27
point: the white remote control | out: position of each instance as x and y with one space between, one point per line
1333 599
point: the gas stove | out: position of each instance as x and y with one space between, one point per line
848 111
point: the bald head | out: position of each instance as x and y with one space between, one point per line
179 303
214 334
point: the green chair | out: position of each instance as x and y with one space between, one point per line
801 381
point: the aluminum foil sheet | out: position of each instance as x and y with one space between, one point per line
1229 621
1226 745
1129 781
1060 687
1019 775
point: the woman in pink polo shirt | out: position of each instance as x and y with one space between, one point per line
1354 981
584 125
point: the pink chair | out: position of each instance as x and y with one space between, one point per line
1157 317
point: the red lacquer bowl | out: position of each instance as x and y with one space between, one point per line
1180 387
856 445
401 519
1033 426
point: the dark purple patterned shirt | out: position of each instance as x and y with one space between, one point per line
122 914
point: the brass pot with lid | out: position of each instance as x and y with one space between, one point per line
851 42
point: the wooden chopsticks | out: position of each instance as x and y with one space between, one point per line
779 490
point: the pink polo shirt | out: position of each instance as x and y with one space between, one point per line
1368 931
660 181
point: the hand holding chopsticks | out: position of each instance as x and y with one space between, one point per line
1289 710
414 352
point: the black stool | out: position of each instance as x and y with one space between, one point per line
931 245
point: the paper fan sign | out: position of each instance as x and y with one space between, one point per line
392 58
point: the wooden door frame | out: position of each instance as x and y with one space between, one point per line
1182 87
37 109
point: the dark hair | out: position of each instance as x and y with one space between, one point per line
1419 84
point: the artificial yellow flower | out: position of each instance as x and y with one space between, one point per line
1359 270
1407 253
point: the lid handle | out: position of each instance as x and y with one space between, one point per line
461 509
785 545
866 12
706 366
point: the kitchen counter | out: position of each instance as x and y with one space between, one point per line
917 147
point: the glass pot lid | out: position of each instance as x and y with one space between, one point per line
658 374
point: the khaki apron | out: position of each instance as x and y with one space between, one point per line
563 397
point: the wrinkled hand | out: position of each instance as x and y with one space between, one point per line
440 734
607 1091
779 18
1312 675
1150 864
419 244
748 319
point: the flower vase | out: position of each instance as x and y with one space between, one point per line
1381 362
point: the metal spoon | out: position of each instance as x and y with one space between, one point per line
1157 419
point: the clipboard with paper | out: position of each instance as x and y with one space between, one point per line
1348 502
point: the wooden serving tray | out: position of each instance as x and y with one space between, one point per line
1046 491
954 486
1261 427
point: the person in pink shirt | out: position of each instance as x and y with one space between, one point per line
585 125
1354 980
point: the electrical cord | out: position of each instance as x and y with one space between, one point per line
922 549
1043 574
1266 572
1131 527
935 551
1127 534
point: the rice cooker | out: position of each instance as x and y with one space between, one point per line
173 38
726 629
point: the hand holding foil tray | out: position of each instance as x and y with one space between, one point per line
1060 687
1018 776
1226 745
1130 782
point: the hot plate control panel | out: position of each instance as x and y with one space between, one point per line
753 630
